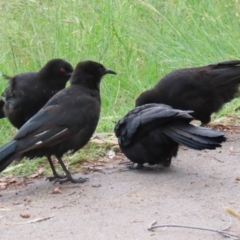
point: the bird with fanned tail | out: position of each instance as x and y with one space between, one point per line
152 134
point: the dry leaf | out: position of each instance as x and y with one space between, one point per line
3 186
114 142
56 190
101 139
12 180
232 212
97 141
25 215
37 174
111 154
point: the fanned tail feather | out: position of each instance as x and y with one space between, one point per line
194 137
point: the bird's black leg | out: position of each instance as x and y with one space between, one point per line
68 177
55 174
205 121
167 162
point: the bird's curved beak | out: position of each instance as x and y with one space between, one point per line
109 71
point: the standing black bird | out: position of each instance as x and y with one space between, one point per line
202 89
65 123
152 133
28 92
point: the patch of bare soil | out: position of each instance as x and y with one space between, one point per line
120 204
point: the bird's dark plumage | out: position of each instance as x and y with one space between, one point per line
152 133
202 89
64 124
28 92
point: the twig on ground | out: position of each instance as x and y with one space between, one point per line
125 162
66 204
153 225
71 193
5 209
229 225
119 170
93 169
32 221
221 161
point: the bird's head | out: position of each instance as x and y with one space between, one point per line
57 69
89 72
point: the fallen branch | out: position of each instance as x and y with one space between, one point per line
224 233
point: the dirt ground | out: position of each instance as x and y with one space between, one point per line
120 204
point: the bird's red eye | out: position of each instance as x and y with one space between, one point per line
62 70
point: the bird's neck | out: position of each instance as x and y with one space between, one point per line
43 73
86 81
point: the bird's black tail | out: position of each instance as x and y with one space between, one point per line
7 154
194 137
2 115
226 73
7 77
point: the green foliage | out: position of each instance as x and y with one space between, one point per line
140 39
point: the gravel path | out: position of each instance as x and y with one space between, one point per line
120 204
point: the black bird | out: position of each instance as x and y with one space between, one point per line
65 123
201 89
152 133
28 92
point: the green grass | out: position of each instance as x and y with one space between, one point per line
141 40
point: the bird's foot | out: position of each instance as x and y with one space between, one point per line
136 166
56 176
68 177
166 163
71 179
